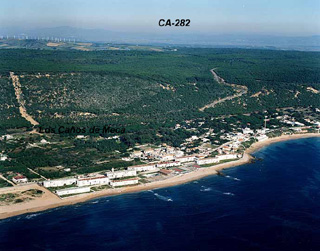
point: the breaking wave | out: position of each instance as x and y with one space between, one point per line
230 194
161 197
205 189
30 216
233 178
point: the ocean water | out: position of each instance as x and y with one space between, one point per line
272 204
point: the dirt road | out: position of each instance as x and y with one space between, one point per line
240 90
21 101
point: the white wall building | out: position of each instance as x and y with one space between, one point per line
143 168
120 174
227 156
216 159
262 137
118 183
186 159
73 190
19 179
247 131
92 181
207 161
167 157
59 182
168 164
3 157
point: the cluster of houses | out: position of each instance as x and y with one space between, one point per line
127 177
164 153
289 120
218 158
166 160
82 184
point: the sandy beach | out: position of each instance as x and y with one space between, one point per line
50 200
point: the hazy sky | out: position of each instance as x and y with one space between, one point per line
285 17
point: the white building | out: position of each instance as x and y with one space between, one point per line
192 138
92 181
43 141
178 153
167 157
168 164
7 137
59 182
262 131
262 138
143 168
207 161
73 190
247 131
227 156
118 183
3 157
136 154
183 159
121 174
19 179
216 159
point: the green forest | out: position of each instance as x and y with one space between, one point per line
145 92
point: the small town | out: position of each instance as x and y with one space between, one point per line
164 162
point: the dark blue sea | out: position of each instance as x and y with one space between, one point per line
272 204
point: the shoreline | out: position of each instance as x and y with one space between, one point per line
51 201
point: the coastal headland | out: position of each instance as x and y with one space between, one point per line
49 200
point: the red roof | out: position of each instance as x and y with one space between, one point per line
177 169
19 177
165 171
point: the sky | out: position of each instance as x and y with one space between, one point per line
271 17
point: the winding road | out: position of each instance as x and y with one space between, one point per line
240 90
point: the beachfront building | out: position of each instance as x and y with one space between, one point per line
183 159
121 174
19 179
59 182
227 156
168 164
92 181
143 168
207 161
126 182
73 190
262 138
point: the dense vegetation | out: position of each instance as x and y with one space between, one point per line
9 109
145 92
